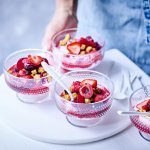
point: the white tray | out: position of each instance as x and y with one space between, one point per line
44 122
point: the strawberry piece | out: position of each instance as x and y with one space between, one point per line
86 90
144 106
28 77
23 72
16 74
12 69
29 66
97 90
20 63
74 48
92 82
36 60
79 99
75 87
99 97
83 41
148 105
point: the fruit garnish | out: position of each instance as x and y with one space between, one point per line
28 77
23 72
97 90
36 60
86 90
20 63
92 82
99 97
75 86
83 41
79 99
144 106
74 48
13 69
29 67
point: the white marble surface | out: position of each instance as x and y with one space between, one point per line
126 140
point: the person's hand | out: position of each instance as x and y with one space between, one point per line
62 19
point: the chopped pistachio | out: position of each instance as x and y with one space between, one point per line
82 53
87 100
62 42
34 72
49 78
67 97
67 37
41 70
36 76
74 95
83 46
93 49
65 40
88 49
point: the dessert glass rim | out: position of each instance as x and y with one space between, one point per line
137 91
72 29
110 96
141 88
19 51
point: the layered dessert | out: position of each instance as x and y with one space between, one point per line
142 122
28 76
29 67
90 100
79 53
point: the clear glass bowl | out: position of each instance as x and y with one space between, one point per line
29 90
142 123
81 114
76 62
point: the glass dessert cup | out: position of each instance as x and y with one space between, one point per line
84 114
29 90
76 62
142 123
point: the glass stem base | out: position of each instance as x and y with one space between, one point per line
144 135
83 123
32 99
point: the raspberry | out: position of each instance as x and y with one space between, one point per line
86 90
75 86
79 99
83 41
99 97
29 66
20 63
97 46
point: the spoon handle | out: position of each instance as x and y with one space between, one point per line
133 113
56 77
